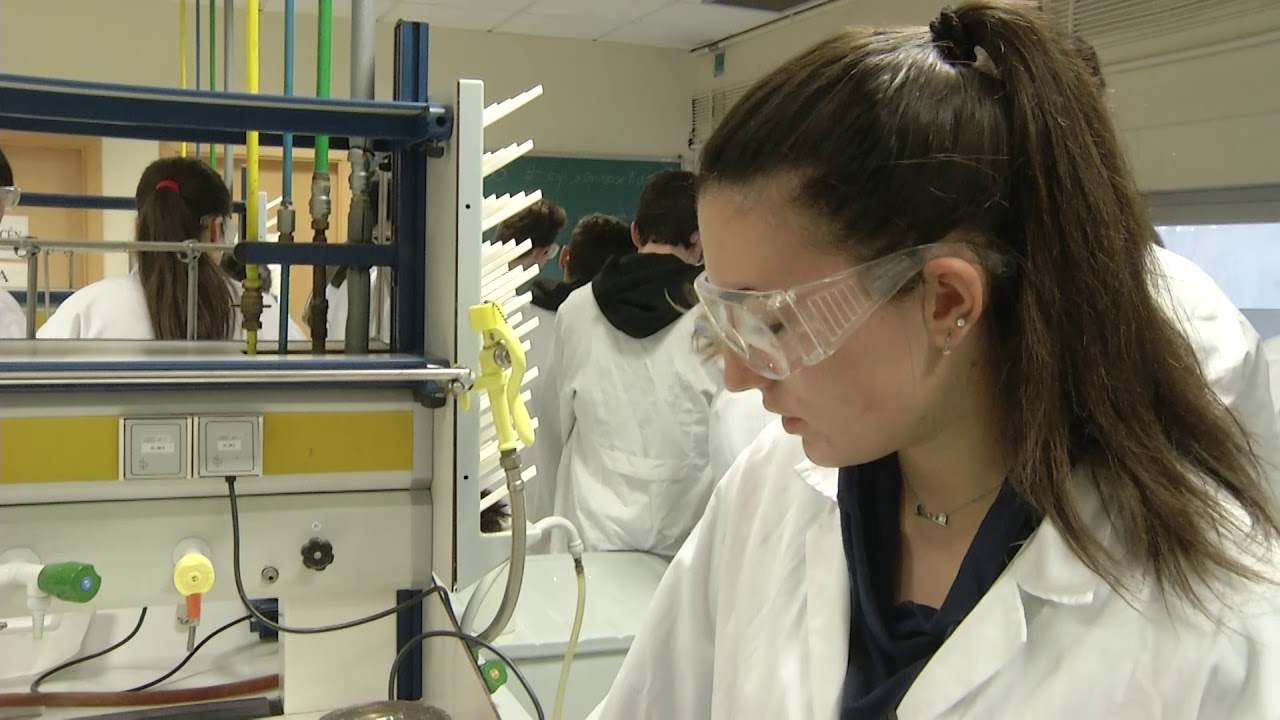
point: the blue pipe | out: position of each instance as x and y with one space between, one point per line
288 173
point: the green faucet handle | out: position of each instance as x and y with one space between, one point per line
75 582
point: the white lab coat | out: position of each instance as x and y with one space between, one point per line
115 308
1271 348
1229 350
635 419
540 493
13 319
338 298
752 620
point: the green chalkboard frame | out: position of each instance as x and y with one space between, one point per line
581 185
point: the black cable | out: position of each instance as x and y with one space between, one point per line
35 685
187 659
42 677
257 615
395 666
469 638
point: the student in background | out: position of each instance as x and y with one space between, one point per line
635 393
178 199
13 322
596 240
540 223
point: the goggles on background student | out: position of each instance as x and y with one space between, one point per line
10 196
778 332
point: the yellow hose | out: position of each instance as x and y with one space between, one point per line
182 53
251 280
572 647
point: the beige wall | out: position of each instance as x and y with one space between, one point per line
1202 119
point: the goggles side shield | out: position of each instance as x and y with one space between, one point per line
778 332
10 196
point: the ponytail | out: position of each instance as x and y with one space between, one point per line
1092 344
167 214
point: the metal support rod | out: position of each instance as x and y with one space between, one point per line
381 289
286 221
48 287
33 290
360 220
450 378
106 246
193 293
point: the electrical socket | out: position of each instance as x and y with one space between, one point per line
156 448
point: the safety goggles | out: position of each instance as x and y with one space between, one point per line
9 197
778 332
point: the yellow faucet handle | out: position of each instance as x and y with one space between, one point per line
193 574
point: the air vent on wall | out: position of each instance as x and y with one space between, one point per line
710 108
1106 21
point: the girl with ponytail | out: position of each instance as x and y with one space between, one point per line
1002 486
179 199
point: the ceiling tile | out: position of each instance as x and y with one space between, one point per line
566 26
689 25
467 16
623 10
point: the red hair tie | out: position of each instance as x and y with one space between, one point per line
171 184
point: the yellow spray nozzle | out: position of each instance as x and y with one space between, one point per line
502 368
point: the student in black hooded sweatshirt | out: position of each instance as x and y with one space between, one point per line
635 393
595 241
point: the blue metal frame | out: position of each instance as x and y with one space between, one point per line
86 202
410 188
312 254
132 111
408 312
404 127
171 134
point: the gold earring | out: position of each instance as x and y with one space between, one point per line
946 347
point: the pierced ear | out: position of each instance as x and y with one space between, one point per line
953 301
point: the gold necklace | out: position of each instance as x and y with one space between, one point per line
942 518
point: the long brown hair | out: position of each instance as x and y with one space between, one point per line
177 198
990 124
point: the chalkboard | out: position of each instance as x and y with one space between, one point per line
581 185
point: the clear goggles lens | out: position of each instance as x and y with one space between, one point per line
780 331
10 196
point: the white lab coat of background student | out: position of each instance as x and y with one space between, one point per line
640 414
767 637
115 308
1271 348
13 319
1229 350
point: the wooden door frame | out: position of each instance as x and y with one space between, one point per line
90 149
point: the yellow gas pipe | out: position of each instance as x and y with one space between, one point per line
251 298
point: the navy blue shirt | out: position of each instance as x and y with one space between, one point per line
891 642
